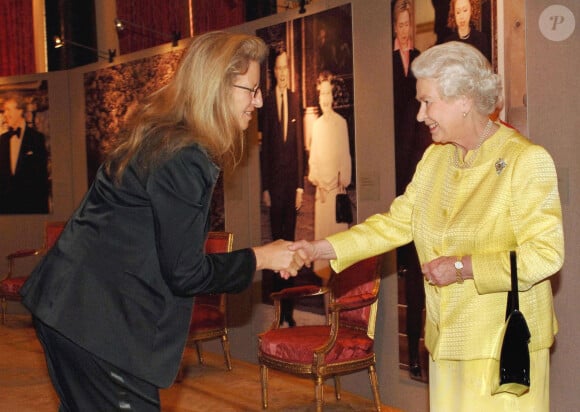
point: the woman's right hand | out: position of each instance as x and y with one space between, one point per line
314 250
278 256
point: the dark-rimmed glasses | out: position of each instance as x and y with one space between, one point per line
254 92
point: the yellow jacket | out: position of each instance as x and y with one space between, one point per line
508 200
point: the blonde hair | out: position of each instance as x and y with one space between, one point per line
400 7
460 70
192 108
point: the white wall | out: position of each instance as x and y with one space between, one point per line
554 122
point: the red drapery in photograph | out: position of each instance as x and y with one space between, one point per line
16 38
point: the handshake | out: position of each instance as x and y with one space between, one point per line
287 258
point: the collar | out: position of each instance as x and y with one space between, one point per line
397 45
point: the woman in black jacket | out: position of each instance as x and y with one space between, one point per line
112 300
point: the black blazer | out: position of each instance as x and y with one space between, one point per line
27 190
119 282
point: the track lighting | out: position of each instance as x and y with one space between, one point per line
105 55
122 25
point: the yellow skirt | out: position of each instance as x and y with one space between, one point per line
465 386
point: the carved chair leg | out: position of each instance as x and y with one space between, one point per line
264 379
226 348
337 387
4 308
199 352
319 393
375 387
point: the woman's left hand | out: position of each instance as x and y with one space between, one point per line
442 272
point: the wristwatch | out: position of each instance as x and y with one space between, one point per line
458 270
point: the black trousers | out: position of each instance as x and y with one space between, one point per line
85 383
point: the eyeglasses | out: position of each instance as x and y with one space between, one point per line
254 92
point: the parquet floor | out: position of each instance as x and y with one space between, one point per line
25 386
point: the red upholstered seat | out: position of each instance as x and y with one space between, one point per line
344 345
286 345
11 283
11 287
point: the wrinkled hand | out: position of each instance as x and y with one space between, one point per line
278 257
441 271
305 250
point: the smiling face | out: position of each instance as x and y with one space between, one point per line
12 114
281 71
403 27
244 101
325 96
443 117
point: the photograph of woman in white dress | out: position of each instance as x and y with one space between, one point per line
329 164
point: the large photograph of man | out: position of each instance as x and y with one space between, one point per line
306 138
282 164
24 153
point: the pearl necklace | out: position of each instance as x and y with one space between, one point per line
466 165
466 36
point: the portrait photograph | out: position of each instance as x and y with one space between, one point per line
25 162
307 142
110 95
416 26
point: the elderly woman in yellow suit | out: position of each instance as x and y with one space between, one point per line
480 190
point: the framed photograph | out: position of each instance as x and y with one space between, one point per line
25 161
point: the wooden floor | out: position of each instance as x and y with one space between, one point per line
25 386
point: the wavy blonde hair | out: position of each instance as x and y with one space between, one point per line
194 107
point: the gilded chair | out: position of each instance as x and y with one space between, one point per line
341 346
10 285
209 318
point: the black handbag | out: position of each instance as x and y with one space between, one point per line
343 208
514 362
343 205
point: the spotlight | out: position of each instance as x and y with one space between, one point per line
121 25
109 55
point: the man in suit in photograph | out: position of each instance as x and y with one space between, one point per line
282 164
24 186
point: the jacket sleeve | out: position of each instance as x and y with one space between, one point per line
536 218
180 191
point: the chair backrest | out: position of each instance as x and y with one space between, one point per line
52 231
219 242
216 242
357 282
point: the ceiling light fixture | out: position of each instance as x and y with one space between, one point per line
121 25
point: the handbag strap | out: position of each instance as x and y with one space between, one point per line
341 188
513 302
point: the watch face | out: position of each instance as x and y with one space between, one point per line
458 265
